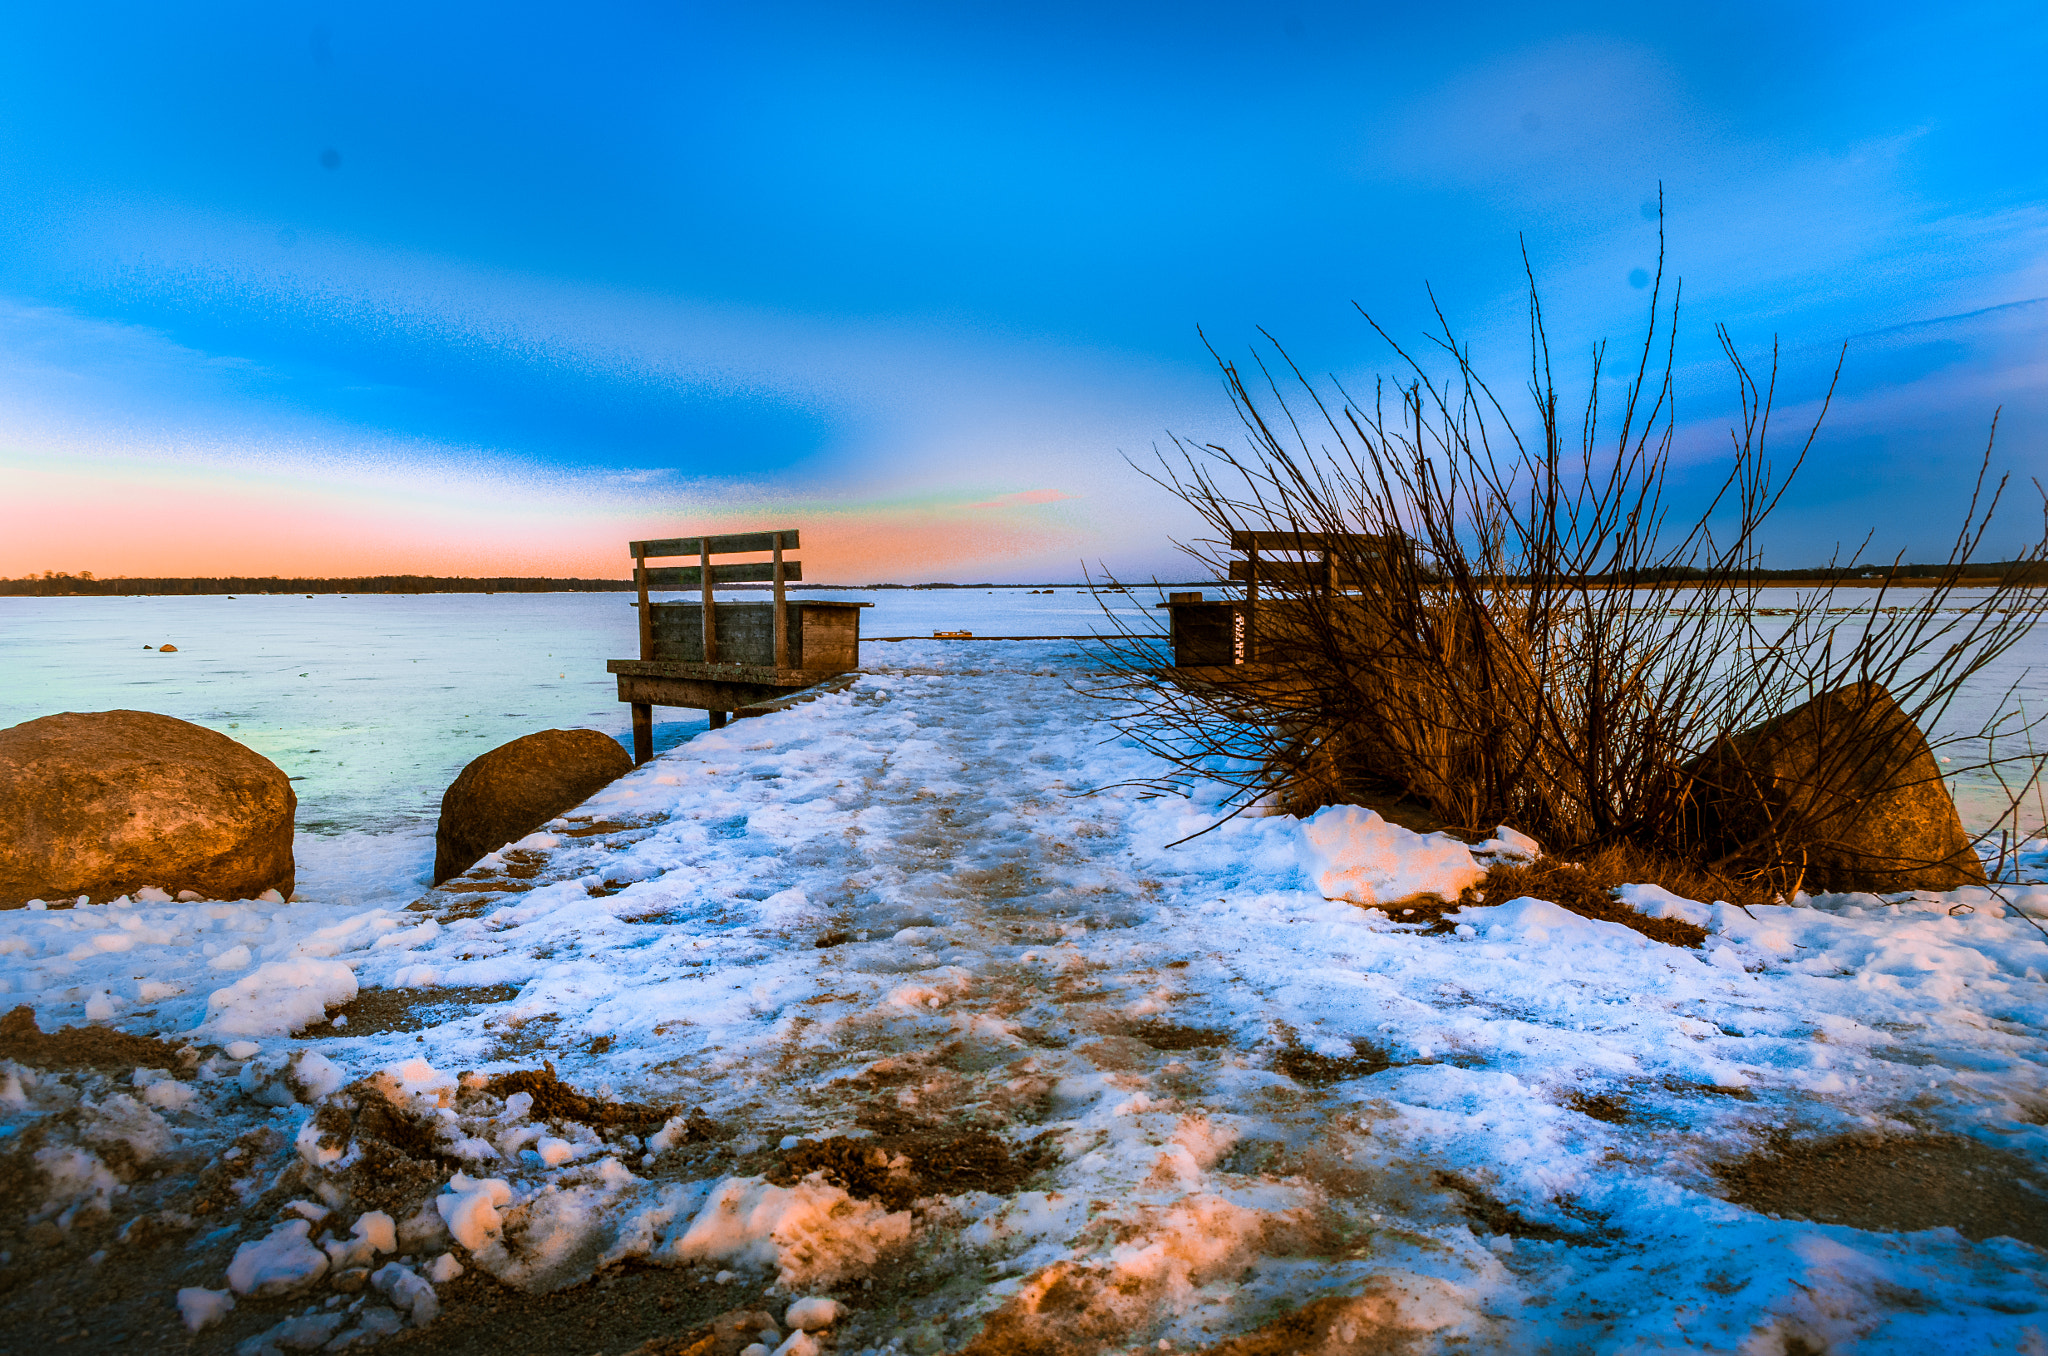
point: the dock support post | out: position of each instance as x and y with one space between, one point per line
781 612
710 623
1251 605
646 614
643 733
717 720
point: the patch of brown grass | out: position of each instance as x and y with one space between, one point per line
1173 1036
1313 1070
897 1169
1366 1325
374 1012
554 1100
1600 1106
1587 888
97 1047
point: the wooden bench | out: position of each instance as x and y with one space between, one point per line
728 657
1228 631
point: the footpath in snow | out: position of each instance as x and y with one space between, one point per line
870 1000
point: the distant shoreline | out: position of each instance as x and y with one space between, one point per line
83 586
76 587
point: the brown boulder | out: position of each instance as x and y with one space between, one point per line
517 787
1842 793
104 803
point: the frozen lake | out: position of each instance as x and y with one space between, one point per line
372 703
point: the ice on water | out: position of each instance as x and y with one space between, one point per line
373 702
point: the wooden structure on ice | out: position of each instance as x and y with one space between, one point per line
720 657
1230 633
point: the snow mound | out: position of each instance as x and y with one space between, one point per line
279 997
1351 853
287 1079
202 1308
560 1233
1509 846
470 1209
811 1232
281 1262
811 1314
1538 922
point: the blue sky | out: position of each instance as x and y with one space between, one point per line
491 288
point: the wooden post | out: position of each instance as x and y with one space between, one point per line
646 613
710 622
643 732
718 720
1251 603
781 612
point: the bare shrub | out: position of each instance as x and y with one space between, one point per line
1521 626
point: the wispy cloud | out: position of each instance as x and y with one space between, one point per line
1024 497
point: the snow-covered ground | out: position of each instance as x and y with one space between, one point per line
894 914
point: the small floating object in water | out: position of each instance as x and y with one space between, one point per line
167 649
952 635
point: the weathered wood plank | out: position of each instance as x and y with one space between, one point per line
745 634
781 568
797 698
1295 572
731 544
819 636
758 675
646 616
1206 633
707 578
828 639
692 576
1264 684
1361 542
701 694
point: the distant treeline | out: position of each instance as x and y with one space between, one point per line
54 584
2022 572
51 585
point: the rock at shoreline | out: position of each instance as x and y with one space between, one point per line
516 788
105 803
1846 786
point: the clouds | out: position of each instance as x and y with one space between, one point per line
912 266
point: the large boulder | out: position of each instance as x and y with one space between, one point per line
103 803
1842 793
516 788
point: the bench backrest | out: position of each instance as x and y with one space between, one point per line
1342 560
706 576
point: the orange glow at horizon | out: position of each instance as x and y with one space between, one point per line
167 521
